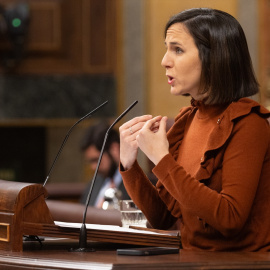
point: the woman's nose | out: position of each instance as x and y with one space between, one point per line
166 61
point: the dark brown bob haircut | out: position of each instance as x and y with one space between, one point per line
227 72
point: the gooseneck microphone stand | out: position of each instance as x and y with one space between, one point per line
67 136
83 230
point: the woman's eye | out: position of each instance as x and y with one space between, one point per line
178 50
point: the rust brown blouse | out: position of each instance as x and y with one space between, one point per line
216 180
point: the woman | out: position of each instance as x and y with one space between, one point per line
213 165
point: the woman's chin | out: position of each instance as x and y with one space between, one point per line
176 92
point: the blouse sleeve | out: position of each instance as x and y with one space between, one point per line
227 210
146 197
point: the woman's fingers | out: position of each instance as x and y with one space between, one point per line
152 134
133 126
128 144
153 124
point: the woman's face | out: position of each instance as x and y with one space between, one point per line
182 62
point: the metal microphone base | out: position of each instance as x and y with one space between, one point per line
83 241
82 250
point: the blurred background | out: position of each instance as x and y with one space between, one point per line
59 59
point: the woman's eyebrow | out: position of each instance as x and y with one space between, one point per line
173 43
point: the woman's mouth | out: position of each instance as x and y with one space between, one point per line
170 79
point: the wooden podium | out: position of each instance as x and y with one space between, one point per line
20 203
23 211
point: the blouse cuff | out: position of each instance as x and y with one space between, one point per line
131 171
165 165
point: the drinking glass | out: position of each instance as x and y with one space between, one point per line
131 215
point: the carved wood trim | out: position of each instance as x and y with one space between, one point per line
99 38
45 36
4 232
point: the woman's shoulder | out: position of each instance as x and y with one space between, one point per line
244 107
249 116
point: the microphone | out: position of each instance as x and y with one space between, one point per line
66 138
83 231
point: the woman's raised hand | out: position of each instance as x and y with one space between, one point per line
128 144
152 139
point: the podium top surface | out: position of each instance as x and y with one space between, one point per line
55 254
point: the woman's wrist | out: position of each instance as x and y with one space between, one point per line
125 167
158 158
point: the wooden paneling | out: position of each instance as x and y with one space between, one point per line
45 27
99 35
69 37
